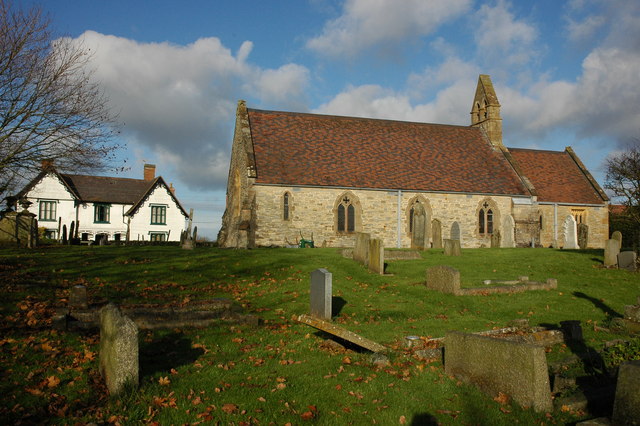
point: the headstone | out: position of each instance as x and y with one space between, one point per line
376 256
626 407
347 335
455 231
195 235
508 228
452 248
321 293
71 231
419 227
118 349
583 236
444 279
617 235
187 243
78 297
611 250
64 234
361 249
436 232
498 365
570 233
496 239
627 260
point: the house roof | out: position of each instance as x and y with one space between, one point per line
558 176
322 150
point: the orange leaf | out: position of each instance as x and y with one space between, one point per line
403 420
502 398
229 408
346 360
164 381
307 415
52 381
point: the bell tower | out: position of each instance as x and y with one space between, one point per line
485 111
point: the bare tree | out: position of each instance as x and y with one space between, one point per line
50 109
623 179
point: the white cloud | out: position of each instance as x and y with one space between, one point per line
180 101
367 23
585 29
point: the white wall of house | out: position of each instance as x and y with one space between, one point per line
141 224
51 190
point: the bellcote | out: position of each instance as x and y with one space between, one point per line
485 111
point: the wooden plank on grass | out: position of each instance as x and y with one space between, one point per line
341 333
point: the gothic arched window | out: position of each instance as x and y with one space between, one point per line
346 215
485 220
286 200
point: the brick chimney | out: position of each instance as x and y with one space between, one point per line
149 172
172 189
47 164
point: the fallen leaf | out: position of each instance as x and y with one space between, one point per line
229 408
502 398
164 381
402 420
307 415
52 381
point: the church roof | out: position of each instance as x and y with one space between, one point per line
322 150
558 176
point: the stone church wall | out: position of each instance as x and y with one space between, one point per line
597 218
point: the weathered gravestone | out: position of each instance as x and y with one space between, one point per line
64 234
71 231
376 256
496 239
497 365
583 235
626 406
321 293
570 233
436 233
361 249
611 250
617 235
627 260
118 349
187 242
508 225
419 228
452 248
78 297
444 279
455 231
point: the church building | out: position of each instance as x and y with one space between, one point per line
410 184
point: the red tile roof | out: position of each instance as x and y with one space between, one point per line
556 176
107 189
322 150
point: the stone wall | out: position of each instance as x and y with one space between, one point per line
597 218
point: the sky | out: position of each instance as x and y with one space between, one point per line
565 72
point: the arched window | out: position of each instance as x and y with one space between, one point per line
485 220
286 200
346 215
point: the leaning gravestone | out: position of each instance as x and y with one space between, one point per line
626 407
118 349
321 293
436 232
498 365
617 235
72 231
452 248
627 260
78 297
570 233
376 256
611 250
583 236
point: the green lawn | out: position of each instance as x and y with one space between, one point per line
281 371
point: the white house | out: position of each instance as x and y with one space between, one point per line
106 208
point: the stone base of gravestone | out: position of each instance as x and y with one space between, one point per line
627 260
452 248
118 349
611 250
444 279
497 365
321 294
78 297
626 406
376 256
361 249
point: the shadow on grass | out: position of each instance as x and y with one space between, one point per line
337 303
169 351
424 419
598 304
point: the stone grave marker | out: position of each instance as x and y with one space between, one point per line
376 256
611 251
583 236
361 249
627 260
443 278
341 333
508 226
570 233
78 297
71 231
626 406
419 228
498 365
64 234
118 349
496 239
455 231
452 248
436 232
321 293
617 235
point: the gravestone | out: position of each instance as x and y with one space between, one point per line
361 250
187 242
583 235
376 256
627 260
496 239
444 279
617 235
71 231
452 248
436 232
418 229
611 250
498 365
64 234
570 233
626 406
78 297
118 349
508 226
321 293
455 231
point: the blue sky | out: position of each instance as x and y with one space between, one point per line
565 72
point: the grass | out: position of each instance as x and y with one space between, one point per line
281 371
